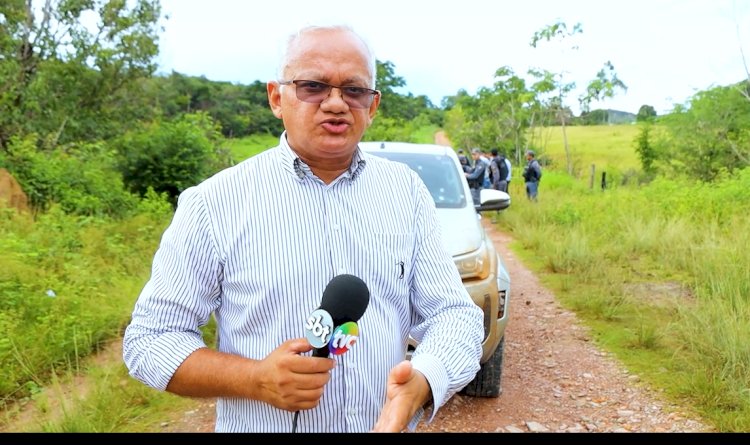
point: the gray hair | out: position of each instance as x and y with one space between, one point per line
295 37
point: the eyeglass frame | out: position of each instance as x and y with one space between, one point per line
372 93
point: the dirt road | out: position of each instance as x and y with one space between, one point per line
554 378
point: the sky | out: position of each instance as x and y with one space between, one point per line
663 50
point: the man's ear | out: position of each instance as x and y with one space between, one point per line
274 97
373 108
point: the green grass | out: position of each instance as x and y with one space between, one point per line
246 147
67 284
608 147
660 272
425 135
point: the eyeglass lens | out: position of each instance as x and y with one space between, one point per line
316 92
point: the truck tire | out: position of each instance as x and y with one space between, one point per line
487 382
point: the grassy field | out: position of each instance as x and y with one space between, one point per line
246 147
608 147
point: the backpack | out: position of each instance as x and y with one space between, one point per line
532 171
501 168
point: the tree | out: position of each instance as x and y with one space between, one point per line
710 135
559 31
402 108
645 113
66 78
506 110
170 156
603 86
645 149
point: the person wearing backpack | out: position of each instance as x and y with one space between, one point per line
532 173
499 171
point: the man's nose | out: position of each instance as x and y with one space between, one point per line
334 98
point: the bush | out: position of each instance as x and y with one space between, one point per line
82 178
171 156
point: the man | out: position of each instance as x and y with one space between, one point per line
509 167
486 158
475 176
257 243
532 174
499 171
465 164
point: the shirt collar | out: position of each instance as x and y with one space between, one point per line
293 164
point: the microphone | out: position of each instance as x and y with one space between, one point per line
332 328
345 299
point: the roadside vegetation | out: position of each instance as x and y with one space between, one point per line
656 262
660 271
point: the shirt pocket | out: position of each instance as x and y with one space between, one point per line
390 263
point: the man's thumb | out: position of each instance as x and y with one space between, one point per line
401 373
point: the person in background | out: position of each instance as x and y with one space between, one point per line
508 166
465 164
256 245
486 158
499 171
532 174
476 175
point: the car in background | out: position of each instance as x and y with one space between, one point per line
481 268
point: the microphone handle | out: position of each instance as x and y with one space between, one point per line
317 352
321 352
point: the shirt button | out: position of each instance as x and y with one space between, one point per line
342 271
336 227
352 412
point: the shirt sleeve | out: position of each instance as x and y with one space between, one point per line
478 171
510 169
178 299
448 325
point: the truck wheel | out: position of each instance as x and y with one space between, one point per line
487 381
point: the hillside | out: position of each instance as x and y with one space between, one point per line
620 117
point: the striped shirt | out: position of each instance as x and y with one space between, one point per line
256 245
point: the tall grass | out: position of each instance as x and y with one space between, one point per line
67 284
662 272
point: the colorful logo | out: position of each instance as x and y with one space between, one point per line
343 338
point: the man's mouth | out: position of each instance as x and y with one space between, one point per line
335 126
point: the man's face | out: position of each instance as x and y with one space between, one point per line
331 129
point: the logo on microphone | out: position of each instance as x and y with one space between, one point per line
318 328
343 338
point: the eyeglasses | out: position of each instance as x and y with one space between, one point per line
315 92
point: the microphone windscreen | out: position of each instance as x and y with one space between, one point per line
345 297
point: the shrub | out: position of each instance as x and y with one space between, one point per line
170 156
82 178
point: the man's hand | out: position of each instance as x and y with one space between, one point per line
291 381
407 391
